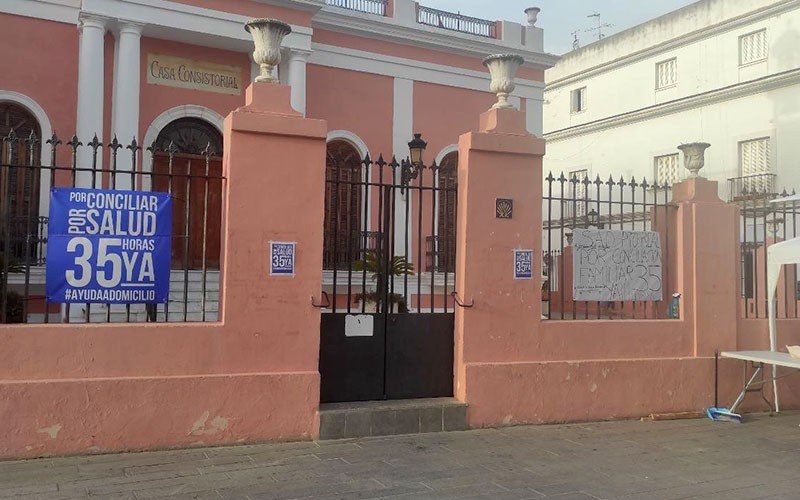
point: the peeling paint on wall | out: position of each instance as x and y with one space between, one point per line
51 431
201 426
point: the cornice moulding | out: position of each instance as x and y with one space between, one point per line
672 44
738 90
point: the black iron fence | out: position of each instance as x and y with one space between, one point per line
195 183
577 202
456 22
387 269
369 6
764 220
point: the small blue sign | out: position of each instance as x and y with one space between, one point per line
523 264
108 247
281 258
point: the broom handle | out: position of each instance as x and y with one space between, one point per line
716 379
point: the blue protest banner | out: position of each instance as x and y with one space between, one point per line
110 247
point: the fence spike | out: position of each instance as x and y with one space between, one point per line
11 138
381 162
366 161
114 145
74 142
153 148
644 183
549 177
32 138
95 143
134 146
561 178
597 181
54 140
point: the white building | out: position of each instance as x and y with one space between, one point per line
725 72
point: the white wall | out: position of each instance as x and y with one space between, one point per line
710 106
630 150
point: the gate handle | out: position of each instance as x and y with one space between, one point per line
461 304
322 306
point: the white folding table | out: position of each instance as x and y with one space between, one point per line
756 381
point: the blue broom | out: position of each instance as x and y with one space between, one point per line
715 413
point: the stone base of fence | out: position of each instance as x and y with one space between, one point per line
101 415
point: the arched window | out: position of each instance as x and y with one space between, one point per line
184 175
446 227
20 185
190 136
343 236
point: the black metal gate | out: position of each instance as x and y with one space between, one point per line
387 327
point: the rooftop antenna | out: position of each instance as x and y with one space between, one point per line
576 44
600 25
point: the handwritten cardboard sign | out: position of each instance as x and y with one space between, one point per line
615 265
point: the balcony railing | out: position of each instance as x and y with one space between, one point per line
752 187
377 7
456 22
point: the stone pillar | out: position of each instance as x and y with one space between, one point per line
126 94
708 264
89 120
297 78
275 168
501 160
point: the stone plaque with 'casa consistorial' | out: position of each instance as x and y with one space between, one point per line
616 265
183 73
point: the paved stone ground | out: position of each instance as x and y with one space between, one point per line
695 459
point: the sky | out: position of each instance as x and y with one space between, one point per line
560 18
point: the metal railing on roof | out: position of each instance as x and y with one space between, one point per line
377 7
456 22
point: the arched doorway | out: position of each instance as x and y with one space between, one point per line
19 187
446 213
193 178
343 236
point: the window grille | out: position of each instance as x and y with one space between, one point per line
753 47
754 158
576 205
667 73
668 169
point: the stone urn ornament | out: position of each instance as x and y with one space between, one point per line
533 15
694 156
267 35
503 68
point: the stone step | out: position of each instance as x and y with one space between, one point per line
389 418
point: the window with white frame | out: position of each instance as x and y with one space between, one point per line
667 73
668 169
753 47
578 100
754 163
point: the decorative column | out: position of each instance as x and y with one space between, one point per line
297 78
501 161
89 120
708 257
126 95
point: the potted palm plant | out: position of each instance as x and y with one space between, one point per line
381 270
